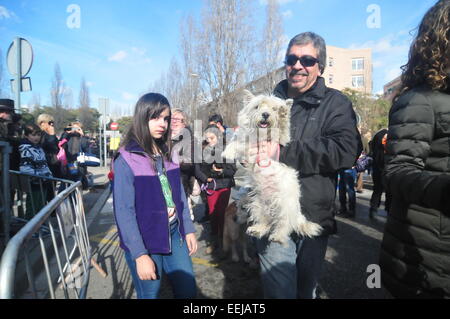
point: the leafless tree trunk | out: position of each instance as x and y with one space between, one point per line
57 93
68 98
85 115
224 51
35 101
190 93
271 46
84 99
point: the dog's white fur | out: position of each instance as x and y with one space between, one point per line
273 203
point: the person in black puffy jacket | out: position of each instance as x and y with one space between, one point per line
415 251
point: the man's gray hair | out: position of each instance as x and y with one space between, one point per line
316 40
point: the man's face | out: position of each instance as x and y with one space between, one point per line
301 78
5 115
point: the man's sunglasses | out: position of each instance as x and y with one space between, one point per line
305 60
51 123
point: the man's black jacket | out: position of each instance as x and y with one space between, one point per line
324 139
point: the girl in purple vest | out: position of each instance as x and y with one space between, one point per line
150 206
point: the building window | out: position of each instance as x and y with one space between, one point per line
357 81
330 61
358 64
330 79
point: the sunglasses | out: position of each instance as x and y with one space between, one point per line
51 123
305 60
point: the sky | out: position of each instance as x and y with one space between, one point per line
122 47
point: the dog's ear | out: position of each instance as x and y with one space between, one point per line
247 96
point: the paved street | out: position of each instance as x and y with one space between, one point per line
349 253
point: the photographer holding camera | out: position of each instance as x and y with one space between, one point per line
217 178
76 142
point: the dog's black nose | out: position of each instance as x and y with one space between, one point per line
265 115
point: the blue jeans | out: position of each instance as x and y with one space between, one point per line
177 266
292 271
347 186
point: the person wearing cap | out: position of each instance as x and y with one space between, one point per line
49 143
6 112
10 131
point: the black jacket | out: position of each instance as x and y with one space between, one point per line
49 144
377 150
324 139
415 251
203 171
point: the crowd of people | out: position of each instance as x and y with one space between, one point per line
37 150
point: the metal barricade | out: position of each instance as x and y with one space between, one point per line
56 240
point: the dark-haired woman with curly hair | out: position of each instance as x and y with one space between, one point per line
415 252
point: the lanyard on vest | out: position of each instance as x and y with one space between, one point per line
165 185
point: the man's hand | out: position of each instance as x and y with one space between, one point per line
191 242
263 151
146 268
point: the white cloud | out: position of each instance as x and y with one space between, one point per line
287 14
118 56
5 13
389 44
134 56
129 96
90 84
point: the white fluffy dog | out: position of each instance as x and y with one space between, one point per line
273 203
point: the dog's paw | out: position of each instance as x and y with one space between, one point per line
256 231
310 229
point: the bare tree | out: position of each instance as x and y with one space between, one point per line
224 51
35 101
68 98
85 113
191 89
84 99
271 46
57 94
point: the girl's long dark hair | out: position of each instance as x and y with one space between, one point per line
429 55
149 106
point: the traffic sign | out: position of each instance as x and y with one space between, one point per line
26 53
114 126
26 85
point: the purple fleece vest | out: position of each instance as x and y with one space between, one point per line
150 205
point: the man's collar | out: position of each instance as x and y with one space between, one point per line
313 96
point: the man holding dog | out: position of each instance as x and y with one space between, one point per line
324 139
